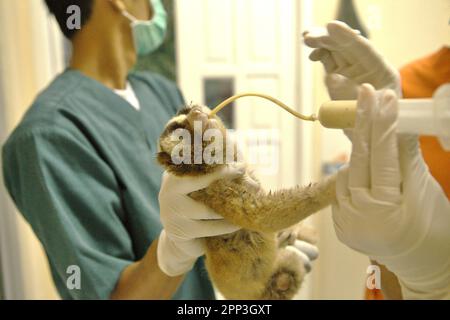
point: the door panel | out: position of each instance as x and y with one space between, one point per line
256 43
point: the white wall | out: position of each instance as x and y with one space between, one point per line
402 30
30 55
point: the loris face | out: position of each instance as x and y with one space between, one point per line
184 139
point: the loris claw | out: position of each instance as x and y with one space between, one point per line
248 264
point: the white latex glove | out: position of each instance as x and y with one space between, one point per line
186 222
389 207
350 60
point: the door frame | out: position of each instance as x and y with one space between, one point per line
303 152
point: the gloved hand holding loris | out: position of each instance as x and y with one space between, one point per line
263 260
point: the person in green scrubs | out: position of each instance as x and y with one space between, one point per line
81 166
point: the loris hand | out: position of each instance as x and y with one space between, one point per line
350 60
186 221
389 207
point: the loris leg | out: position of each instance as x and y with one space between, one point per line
287 276
266 212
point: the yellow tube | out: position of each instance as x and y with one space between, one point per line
416 116
264 96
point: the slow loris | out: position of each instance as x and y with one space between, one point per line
253 263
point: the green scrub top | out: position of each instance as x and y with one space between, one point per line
81 168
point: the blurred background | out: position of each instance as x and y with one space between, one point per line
216 48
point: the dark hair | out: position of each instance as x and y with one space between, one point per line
59 9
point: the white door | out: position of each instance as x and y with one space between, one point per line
255 44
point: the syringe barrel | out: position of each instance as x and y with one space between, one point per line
338 114
429 117
415 116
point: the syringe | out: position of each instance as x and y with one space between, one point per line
428 117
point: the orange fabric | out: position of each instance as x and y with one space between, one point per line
374 294
420 79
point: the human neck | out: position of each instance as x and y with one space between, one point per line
105 58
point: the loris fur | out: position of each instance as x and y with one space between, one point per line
253 263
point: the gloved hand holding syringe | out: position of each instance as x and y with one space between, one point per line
389 206
429 117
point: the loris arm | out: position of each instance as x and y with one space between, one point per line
266 212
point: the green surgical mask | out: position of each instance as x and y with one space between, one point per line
149 35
